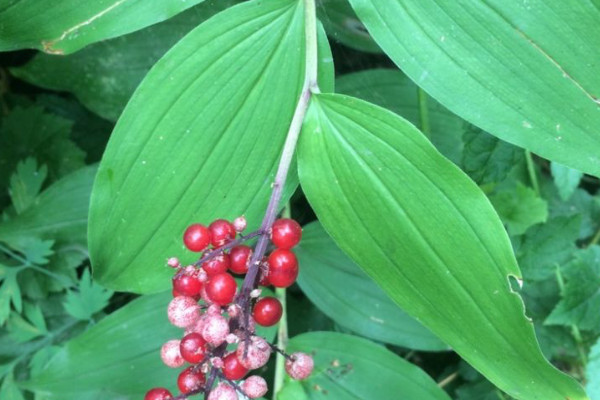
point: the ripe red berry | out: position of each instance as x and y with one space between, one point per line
232 368
222 231
190 379
283 268
158 394
286 233
196 237
221 288
187 285
240 258
267 311
193 348
217 265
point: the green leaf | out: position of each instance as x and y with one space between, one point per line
24 329
204 146
566 179
508 67
486 158
338 287
26 183
10 390
105 87
368 371
88 300
9 292
424 232
342 24
292 390
592 372
519 208
581 295
69 25
545 246
393 90
59 213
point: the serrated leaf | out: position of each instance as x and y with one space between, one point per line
566 179
88 299
69 25
581 296
427 235
368 371
9 292
508 67
26 183
592 372
205 146
519 208
36 251
395 91
105 87
543 247
486 158
338 287
9 389
27 327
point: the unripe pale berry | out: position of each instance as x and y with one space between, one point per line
173 262
239 224
215 329
222 232
196 237
190 379
267 311
257 355
254 387
221 289
193 348
183 311
285 233
158 394
196 326
223 392
299 366
170 354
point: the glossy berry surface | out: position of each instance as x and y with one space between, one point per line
193 348
187 285
158 394
196 237
189 380
240 258
267 311
283 268
217 265
221 288
232 368
286 233
222 231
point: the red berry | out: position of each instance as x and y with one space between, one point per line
232 368
187 285
196 237
286 233
240 258
283 268
217 265
190 379
222 231
267 311
193 348
221 288
158 394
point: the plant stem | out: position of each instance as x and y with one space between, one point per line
282 339
595 239
532 172
424 113
450 378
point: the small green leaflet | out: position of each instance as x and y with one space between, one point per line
26 183
88 300
9 292
9 389
592 372
30 325
519 209
566 179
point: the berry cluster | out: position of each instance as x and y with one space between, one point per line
219 342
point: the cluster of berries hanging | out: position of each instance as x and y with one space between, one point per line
219 341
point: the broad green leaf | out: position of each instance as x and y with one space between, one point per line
58 213
393 90
592 372
519 208
486 158
342 24
65 26
292 390
581 295
9 389
204 146
105 87
349 367
509 67
566 179
88 300
339 287
26 183
427 235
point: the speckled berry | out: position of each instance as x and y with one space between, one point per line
183 311
223 392
254 387
215 329
158 394
257 355
299 366
170 354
